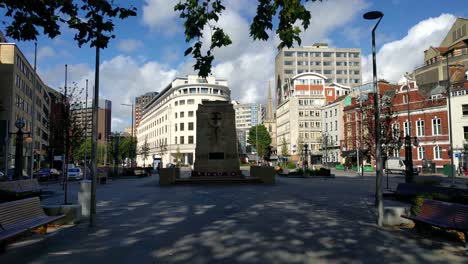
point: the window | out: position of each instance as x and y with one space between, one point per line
465 109
326 114
327 71
288 71
175 125
436 126
181 114
190 114
181 126
288 53
190 139
176 103
182 140
181 102
329 92
204 90
396 130
327 63
175 140
336 112
175 115
327 54
420 128
436 97
405 99
326 127
336 125
190 126
437 152
288 62
421 153
193 90
406 128
190 101
465 132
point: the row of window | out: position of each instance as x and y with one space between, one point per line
310 135
331 111
182 114
420 128
319 63
190 140
310 124
24 68
182 126
322 54
311 102
422 152
309 81
331 126
309 113
201 90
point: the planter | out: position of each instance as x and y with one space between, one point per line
265 174
72 213
168 176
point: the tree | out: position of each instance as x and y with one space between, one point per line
178 156
264 140
387 118
161 149
144 151
127 148
300 144
199 14
284 147
92 20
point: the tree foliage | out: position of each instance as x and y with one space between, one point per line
198 14
144 151
92 20
264 140
284 148
388 116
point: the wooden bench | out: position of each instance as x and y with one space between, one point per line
21 216
12 190
414 189
140 173
448 216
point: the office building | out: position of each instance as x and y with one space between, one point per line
299 115
22 95
337 65
82 115
168 122
140 103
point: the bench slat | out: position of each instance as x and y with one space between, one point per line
25 209
29 225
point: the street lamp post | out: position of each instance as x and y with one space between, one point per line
378 185
306 160
18 172
408 148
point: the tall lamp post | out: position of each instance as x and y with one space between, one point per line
378 157
131 105
18 172
408 148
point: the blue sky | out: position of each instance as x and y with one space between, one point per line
148 50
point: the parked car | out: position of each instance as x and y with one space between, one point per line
46 174
75 173
397 165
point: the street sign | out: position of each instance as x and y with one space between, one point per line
457 155
58 158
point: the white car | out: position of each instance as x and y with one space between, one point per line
75 174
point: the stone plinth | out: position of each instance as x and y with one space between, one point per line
265 174
167 176
216 150
72 213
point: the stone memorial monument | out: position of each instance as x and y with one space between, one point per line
216 150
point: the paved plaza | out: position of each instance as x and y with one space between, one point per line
295 221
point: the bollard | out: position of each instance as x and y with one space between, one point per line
84 197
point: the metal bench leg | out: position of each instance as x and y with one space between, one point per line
3 245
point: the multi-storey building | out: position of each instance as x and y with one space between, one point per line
22 95
338 65
459 120
247 116
332 119
299 115
82 114
434 69
168 123
427 122
140 103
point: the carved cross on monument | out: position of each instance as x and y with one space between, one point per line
216 123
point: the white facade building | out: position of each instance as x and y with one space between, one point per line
332 118
168 122
247 116
459 120
299 116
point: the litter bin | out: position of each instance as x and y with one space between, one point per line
84 197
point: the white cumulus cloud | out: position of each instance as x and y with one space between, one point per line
403 55
159 13
129 45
